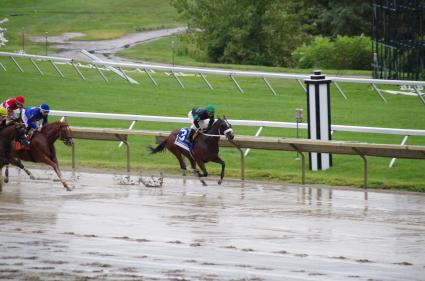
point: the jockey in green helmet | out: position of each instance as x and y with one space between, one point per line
198 117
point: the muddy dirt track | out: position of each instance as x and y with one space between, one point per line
104 230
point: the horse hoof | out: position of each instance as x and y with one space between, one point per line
6 180
220 181
33 178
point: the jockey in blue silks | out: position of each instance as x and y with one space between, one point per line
32 116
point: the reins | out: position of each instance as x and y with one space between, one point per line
209 135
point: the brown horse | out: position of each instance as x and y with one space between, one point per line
14 131
42 149
205 148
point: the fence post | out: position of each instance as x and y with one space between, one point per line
319 117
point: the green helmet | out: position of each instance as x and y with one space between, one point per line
210 108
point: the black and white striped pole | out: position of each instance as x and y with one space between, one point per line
319 117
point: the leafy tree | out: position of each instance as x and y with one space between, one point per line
333 17
243 31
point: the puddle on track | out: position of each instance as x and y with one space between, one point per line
185 231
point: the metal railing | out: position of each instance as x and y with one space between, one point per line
251 123
119 69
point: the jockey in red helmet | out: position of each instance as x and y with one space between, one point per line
14 107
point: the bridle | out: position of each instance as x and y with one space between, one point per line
66 139
229 130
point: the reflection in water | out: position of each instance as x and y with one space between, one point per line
242 189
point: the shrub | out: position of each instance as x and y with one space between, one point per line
342 53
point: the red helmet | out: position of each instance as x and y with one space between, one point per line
20 99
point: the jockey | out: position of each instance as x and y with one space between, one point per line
14 107
3 116
198 117
33 115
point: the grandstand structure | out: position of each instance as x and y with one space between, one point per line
398 33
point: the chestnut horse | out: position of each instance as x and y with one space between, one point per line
205 148
42 149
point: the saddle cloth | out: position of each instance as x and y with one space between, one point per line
19 146
182 139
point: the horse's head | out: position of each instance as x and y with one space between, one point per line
65 134
226 128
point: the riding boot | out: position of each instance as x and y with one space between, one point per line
191 133
25 142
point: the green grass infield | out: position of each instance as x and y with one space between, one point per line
363 108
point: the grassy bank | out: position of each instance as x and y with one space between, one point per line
161 50
97 19
363 108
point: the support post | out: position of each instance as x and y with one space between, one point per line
17 64
242 159
419 94
206 81
130 128
150 77
340 90
256 134
101 73
73 156
125 75
269 86
378 92
36 66
365 167
78 71
128 155
302 162
236 83
302 85
178 80
242 164
2 66
319 118
57 69
403 142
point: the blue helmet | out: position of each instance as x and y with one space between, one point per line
45 107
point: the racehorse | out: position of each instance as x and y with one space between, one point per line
42 149
14 131
205 148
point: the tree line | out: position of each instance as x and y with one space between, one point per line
270 32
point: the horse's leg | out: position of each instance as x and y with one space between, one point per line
18 163
55 166
192 165
6 174
179 157
202 167
223 165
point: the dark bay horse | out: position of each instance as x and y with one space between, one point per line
42 149
205 148
14 131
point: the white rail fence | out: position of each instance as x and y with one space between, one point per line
251 123
119 69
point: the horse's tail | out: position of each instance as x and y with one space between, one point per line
157 149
